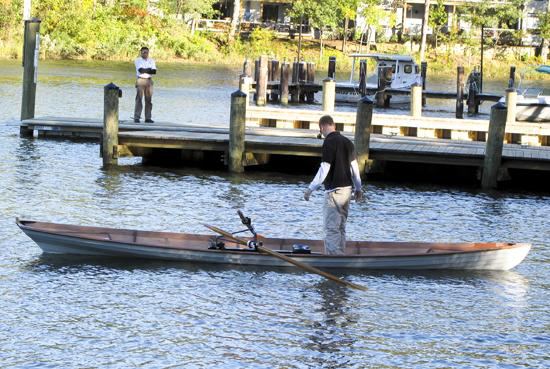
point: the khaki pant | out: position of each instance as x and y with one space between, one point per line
144 87
335 212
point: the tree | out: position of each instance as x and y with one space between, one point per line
322 14
544 27
347 10
424 29
235 19
372 12
438 19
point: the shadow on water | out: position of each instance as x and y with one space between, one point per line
330 335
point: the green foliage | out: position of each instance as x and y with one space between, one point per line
261 41
110 29
544 24
373 12
192 8
321 14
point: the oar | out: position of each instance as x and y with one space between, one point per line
287 259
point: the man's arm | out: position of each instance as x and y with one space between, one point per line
318 180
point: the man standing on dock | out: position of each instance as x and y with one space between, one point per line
338 172
145 68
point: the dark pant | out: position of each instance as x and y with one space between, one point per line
144 87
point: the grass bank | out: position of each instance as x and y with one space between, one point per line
214 48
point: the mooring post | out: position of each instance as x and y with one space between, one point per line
384 82
310 95
237 126
295 94
423 74
416 100
512 79
247 68
261 85
332 67
275 73
494 146
111 94
511 108
472 99
244 86
256 77
329 95
285 78
363 124
363 77
459 92
302 78
31 53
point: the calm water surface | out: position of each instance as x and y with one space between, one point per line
83 313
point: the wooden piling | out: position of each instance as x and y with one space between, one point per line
363 124
245 83
384 82
459 92
310 95
472 99
275 73
256 77
295 94
363 77
285 78
329 95
512 78
302 78
416 100
332 67
261 85
511 105
493 148
237 125
110 124
247 68
31 53
424 74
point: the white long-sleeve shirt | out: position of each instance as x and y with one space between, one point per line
323 172
144 63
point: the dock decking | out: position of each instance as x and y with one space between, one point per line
289 142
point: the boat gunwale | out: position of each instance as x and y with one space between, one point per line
504 245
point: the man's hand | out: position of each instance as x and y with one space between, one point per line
358 196
307 194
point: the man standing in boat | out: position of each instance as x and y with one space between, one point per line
339 172
145 68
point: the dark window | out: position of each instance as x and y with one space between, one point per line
416 70
270 13
408 69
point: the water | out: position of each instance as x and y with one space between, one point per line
84 313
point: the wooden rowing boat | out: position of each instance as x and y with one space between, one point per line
360 255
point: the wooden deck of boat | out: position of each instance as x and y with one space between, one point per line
291 142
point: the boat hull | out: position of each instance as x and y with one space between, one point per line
499 259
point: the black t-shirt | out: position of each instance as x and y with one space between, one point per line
339 152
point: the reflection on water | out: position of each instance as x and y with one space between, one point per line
79 312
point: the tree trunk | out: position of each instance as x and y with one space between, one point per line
368 39
544 50
424 30
321 43
345 38
235 19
